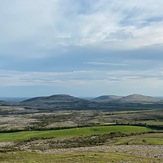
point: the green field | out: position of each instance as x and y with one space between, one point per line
65 133
63 145
53 137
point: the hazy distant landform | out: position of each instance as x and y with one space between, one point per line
63 128
105 102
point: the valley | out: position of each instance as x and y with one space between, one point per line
52 130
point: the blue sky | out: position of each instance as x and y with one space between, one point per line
81 47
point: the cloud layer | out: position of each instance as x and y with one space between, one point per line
82 42
33 28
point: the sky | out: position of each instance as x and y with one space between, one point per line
84 48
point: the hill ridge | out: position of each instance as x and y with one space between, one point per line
64 101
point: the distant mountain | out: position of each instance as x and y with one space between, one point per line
2 103
137 98
106 98
60 101
13 99
54 99
106 102
35 99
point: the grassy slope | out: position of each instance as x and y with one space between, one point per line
145 139
82 157
85 131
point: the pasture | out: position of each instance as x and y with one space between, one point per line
74 132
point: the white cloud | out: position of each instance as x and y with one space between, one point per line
58 78
83 83
31 28
97 63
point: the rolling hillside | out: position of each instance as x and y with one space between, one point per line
60 101
106 98
106 102
136 98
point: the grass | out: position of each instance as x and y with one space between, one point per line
152 122
153 141
82 157
146 139
85 131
